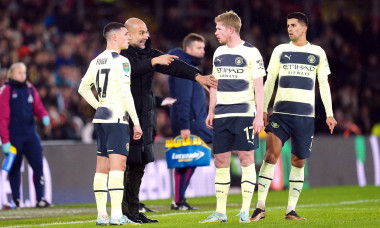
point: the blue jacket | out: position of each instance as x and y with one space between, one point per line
19 102
189 112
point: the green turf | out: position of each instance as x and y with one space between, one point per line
323 207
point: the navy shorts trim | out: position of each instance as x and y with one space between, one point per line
234 133
299 128
112 138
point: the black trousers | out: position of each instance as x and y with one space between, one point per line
132 182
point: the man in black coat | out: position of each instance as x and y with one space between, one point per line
144 61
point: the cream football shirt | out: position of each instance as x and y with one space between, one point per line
297 68
110 73
236 68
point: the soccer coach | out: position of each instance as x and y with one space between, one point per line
144 61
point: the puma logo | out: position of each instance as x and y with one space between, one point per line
219 60
262 185
298 190
287 56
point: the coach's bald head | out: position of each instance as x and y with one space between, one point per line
138 31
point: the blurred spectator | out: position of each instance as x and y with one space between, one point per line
20 102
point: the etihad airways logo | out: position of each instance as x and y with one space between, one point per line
298 67
222 70
196 155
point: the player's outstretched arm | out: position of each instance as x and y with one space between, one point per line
207 80
331 122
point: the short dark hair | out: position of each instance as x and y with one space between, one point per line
111 26
300 16
190 38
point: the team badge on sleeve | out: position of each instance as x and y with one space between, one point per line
260 63
126 67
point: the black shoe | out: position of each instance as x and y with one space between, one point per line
293 216
43 204
134 218
143 208
184 206
174 206
257 215
142 217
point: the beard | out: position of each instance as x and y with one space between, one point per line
223 42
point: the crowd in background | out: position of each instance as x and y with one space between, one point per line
58 39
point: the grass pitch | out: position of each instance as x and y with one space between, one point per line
322 207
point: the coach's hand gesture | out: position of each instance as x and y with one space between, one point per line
163 60
137 132
207 80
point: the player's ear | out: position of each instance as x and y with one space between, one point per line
114 36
